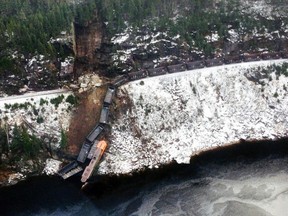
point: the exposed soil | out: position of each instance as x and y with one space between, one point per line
4 175
85 118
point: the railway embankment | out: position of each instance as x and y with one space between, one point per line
175 116
170 118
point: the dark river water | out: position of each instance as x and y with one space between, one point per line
249 179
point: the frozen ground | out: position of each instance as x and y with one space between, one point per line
41 116
178 115
43 119
265 8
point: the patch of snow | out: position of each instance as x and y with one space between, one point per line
258 7
15 178
168 59
176 37
51 166
64 64
24 89
147 43
264 8
120 39
31 61
213 37
234 36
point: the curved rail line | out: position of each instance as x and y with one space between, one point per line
83 158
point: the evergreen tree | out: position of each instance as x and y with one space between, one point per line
3 141
16 143
24 143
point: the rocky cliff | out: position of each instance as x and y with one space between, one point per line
90 46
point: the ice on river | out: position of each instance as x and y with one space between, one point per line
256 189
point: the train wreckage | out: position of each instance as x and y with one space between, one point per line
92 150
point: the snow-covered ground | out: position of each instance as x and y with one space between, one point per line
179 115
265 8
36 111
42 117
51 166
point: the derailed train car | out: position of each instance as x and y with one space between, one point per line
94 134
90 139
109 95
72 165
104 115
97 154
72 172
84 152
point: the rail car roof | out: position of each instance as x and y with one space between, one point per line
83 152
109 95
94 133
104 114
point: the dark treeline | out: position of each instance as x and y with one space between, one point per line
26 26
193 15
21 144
193 20
136 12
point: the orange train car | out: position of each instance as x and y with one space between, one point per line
101 146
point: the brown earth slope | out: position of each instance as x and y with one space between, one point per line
85 118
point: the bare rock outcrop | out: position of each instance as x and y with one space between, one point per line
90 46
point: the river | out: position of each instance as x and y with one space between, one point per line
248 179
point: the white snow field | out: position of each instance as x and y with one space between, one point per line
176 116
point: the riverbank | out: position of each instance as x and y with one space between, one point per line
251 151
125 195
